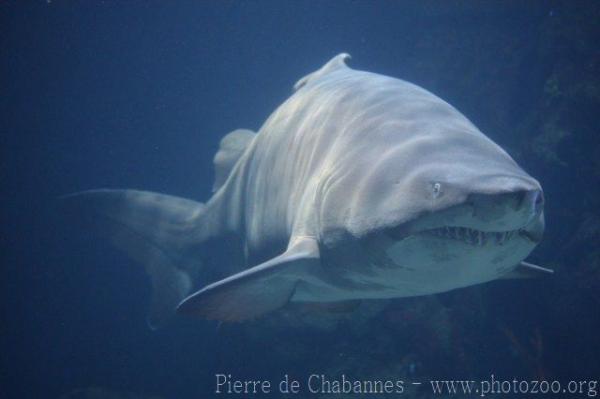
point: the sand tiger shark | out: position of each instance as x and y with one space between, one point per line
359 186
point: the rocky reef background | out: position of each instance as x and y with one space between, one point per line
131 95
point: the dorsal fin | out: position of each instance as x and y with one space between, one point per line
337 62
231 148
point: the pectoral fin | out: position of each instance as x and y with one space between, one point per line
256 291
527 270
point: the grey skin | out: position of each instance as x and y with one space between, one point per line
358 186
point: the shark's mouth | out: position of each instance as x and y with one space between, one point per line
477 237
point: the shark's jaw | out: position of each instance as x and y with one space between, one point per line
446 258
481 238
470 224
461 255
404 261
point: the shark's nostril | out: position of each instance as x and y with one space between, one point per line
533 200
539 199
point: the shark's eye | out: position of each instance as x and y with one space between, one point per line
437 189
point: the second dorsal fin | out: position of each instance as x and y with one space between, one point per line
231 148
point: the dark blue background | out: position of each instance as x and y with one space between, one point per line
137 94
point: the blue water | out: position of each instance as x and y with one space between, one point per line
138 95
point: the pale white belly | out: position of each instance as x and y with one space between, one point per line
417 265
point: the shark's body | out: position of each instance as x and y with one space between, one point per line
358 186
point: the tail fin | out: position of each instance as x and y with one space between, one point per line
154 230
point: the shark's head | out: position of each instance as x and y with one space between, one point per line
454 206
481 238
435 202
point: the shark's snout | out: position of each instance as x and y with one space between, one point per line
508 211
532 201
